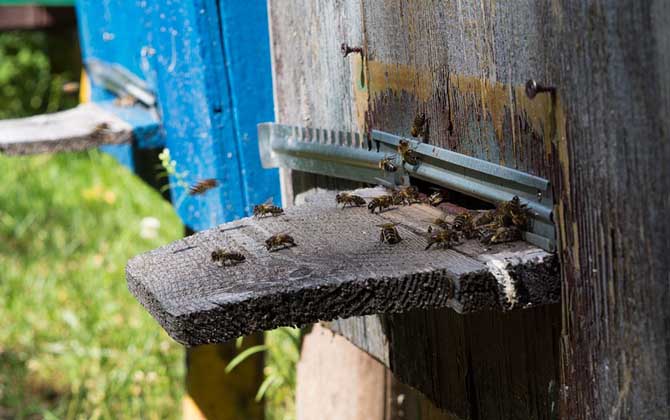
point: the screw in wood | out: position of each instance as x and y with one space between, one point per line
346 49
533 88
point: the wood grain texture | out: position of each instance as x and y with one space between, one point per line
64 131
339 269
602 140
486 365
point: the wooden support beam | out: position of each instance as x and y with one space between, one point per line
338 269
84 127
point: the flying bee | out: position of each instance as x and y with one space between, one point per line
443 238
279 241
406 196
267 208
223 257
407 154
381 202
436 198
387 164
463 224
203 186
502 234
389 234
419 125
345 198
125 101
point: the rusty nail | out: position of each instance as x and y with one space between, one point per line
346 49
533 88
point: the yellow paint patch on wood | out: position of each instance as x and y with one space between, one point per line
473 95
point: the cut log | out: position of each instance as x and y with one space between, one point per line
84 127
338 269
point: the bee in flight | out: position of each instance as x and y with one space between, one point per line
267 208
279 241
406 196
223 257
388 164
407 154
203 186
389 234
381 202
420 125
443 238
345 198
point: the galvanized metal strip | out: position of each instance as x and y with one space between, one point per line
347 157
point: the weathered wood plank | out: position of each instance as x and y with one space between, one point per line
339 269
485 365
84 127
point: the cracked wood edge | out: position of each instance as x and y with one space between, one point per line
71 130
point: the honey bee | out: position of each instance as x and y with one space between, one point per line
203 186
389 234
125 101
463 224
279 241
486 218
513 213
345 198
436 198
406 196
407 154
441 223
381 202
101 130
419 125
223 257
267 208
443 238
502 234
387 164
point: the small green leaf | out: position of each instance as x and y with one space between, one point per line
244 355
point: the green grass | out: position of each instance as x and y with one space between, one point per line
74 343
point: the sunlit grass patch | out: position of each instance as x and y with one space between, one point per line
74 343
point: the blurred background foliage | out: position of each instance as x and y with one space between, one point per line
74 343
30 80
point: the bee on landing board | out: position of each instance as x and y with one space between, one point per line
352 200
437 198
443 238
464 225
501 235
279 241
203 186
406 196
267 208
407 154
381 202
387 164
440 223
389 234
223 257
